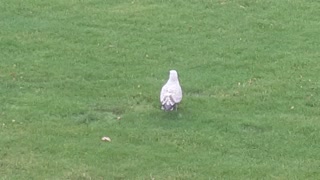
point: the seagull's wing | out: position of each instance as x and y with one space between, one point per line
177 91
163 92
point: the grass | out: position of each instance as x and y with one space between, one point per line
248 68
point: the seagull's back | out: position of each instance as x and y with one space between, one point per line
171 92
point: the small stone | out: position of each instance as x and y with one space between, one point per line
106 139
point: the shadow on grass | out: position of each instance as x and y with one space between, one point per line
160 115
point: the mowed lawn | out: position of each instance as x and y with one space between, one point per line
73 71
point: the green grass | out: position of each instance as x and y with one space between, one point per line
249 71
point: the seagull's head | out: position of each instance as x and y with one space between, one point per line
173 75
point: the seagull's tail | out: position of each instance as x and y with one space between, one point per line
168 103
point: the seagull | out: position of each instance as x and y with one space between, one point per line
171 92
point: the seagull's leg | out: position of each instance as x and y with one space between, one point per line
176 107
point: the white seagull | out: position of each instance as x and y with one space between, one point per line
171 92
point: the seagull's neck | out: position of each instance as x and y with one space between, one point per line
173 80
